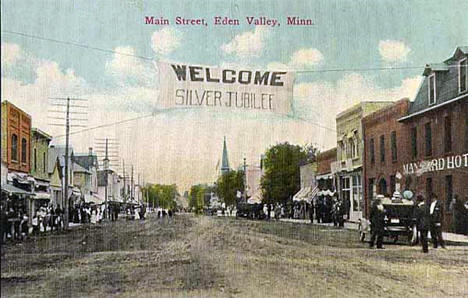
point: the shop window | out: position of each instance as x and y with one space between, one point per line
394 146
414 142
429 188
382 187
448 134
35 159
24 145
428 130
462 77
357 197
372 150
432 91
448 191
382 148
14 147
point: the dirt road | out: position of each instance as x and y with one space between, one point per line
208 256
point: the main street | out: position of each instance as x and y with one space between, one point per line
210 256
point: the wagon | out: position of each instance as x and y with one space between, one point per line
253 211
399 222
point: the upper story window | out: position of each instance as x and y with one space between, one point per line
14 147
372 151
428 130
44 161
393 146
462 76
448 134
382 148
35 159
432 89
414 142
24 146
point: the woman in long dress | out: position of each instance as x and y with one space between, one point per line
137 214
93 216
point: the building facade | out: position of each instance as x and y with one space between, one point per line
386 146
437 122
324 177
348 167
16 138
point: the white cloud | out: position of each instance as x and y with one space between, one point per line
301 59
247 44
128 69
332 98
166 40
393 51
306 57
11 53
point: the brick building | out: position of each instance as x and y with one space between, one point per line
348 167
16 138
324 175
386 146
437 122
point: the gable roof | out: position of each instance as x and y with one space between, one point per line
86 161
446 77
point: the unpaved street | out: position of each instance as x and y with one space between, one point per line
209 256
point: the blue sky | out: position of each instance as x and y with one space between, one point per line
346 34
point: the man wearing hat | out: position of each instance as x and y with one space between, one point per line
422 216
377 219
436 214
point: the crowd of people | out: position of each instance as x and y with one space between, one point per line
428 214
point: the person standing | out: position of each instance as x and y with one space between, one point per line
422 216
437 215
377 219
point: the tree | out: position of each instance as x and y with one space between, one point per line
282 174
228 185
197 198
161 195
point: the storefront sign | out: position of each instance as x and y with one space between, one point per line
436 164
196 86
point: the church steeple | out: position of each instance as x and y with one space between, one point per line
225 162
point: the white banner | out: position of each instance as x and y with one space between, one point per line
185 86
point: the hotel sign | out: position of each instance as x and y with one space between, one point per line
196 86
436 164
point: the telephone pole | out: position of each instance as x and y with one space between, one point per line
245 181
67 112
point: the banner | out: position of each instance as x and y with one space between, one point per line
183 85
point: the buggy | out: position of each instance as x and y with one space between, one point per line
399 221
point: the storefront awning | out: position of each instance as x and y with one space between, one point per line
41 195
95 199
22 178
324 176
10 189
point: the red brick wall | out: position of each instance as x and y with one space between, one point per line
19 123
324 161
458 113
383 122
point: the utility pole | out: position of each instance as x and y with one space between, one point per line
67 112
106 169
65 191
132 190
124 178
245 181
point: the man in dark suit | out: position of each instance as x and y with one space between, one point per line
437 215
422 216
377 219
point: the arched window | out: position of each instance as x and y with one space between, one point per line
14 147
24 146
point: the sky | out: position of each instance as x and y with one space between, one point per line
185 146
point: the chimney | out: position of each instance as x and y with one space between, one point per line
90 151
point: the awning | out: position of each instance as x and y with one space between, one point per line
76 192
324 176
22 178
42 183
301 195
326 192
94 198
10 189
41 195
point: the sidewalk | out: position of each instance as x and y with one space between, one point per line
451 237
